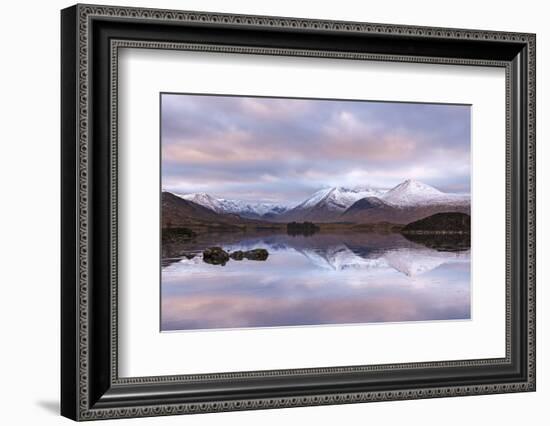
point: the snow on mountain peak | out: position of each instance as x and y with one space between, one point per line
409 193
339 197
222 205
251 208
412 193
204 200
316 198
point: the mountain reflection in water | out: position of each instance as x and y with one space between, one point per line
314 280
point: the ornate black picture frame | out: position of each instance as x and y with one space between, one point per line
91 36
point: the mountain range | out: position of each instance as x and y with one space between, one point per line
178 212
242 208
409 201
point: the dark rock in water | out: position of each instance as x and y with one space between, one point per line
188 255
237 255
215 256
218 256
256 254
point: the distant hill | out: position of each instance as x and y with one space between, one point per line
180 213
177 211
373 210
440 223
244 209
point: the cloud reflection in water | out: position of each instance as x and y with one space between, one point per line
314 281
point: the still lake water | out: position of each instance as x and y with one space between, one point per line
315 280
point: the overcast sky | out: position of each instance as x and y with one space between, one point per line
283 150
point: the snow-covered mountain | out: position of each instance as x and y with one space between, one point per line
339 198
242 208
407 193
413 193
204 200
410 200
328 204
247 208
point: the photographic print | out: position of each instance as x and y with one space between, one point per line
280 212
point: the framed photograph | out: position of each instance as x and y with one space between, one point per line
263 212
